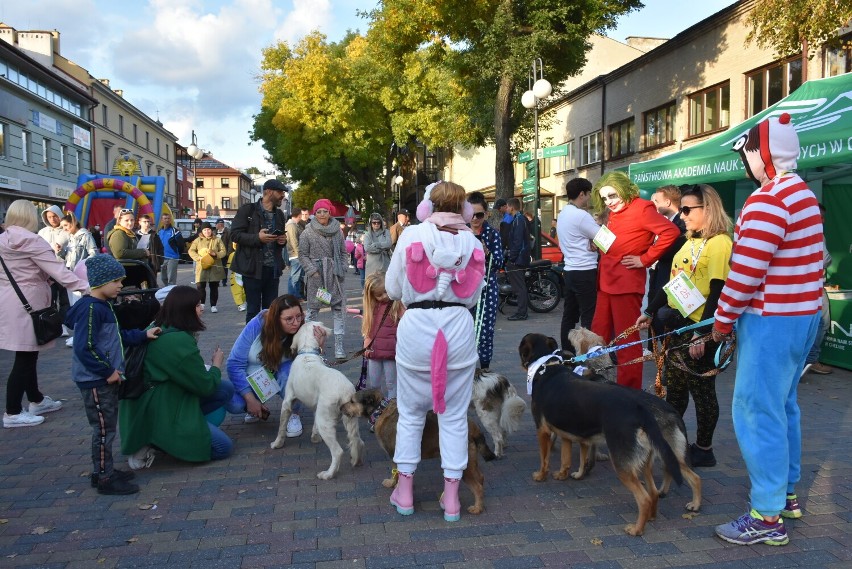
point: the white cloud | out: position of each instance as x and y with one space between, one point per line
306 16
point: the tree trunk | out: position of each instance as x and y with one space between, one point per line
504 170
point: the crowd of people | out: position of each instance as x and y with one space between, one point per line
429 311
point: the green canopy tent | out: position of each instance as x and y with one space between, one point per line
821 111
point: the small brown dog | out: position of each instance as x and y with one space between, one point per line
369 401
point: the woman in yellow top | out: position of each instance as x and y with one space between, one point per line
208 252
704 259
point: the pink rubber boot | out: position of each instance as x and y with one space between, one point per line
403 495
450 500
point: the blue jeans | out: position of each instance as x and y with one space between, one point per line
260 292
294 283
771 353
221 445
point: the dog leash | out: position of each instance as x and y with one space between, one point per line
362 351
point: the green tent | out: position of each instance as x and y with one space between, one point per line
821 111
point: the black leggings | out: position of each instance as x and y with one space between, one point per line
22 379
680 384
214 291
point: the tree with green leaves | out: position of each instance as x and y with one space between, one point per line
487 47
792 26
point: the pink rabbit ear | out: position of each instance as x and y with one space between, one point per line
467 212
424 210
416 252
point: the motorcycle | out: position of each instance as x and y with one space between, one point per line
544 287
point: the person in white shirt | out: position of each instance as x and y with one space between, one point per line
575 229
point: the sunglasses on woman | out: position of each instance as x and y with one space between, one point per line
479 215
684 210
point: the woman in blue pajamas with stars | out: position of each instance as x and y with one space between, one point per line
490 239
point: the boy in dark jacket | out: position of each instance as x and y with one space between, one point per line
98 364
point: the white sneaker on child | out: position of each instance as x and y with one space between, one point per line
22 419
47 405
294 426
142 458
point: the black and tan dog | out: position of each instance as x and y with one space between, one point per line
635 425
368 403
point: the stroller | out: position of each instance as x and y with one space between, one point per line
136 305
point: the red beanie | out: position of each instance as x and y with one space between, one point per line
322 204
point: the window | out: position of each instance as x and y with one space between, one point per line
769 85
621 136
63 158
77 161
45 152
590 148
199 204
660 125
167 152
226 203
710 110
104 118
838 60
121 125
25 148
199 182
107 166
135 136
158 146
147 140
3 130
226 182
565 163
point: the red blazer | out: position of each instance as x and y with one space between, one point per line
634 227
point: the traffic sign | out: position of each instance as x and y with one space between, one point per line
527 198
525 156
530 184
558 150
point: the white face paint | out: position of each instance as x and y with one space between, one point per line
611 199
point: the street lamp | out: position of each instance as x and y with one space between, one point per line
539 88
398 181
195 153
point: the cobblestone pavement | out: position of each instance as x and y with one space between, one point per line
266 508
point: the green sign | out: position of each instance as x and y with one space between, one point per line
529 185
527 198
551 151
532 169
525 156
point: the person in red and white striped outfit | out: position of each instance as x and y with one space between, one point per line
773 294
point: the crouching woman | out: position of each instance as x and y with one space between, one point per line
171 414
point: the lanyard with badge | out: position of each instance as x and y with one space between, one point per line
681 291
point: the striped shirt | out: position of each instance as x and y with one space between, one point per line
777 262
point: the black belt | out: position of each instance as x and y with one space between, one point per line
433 304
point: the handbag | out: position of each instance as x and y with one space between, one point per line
47 322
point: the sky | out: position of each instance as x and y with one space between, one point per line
193 63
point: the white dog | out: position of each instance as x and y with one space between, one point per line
324 389
497 405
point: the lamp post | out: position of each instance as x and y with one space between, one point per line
398 182
195 153
539 88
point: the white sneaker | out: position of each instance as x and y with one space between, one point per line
22 419
70 342
65 331
294 426
242 307
142 458
249 418
47 405
214 309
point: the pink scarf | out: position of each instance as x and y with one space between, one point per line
449 220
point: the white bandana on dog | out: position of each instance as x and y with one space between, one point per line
533 368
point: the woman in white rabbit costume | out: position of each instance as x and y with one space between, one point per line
437 272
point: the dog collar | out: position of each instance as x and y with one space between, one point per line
314 351
539 363
374 416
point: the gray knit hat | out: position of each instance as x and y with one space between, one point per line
103 269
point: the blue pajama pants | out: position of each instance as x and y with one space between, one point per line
771 352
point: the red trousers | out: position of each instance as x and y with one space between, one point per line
614 313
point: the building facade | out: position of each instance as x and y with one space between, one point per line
219 189
45 133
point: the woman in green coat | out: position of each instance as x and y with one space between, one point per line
122 245
171 414
208 252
